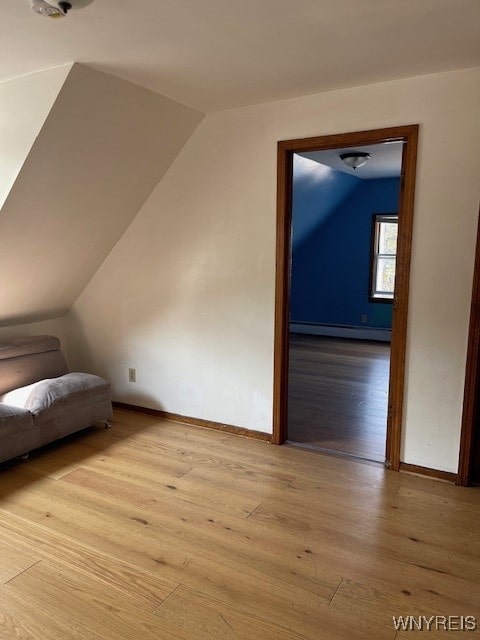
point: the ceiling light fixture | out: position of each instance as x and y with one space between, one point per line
56 8
355 159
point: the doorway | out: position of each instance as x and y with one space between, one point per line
407 135
344 236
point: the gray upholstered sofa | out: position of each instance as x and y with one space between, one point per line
40 401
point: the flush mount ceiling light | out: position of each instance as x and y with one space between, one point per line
355 159
56 8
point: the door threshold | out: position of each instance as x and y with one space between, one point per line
338 454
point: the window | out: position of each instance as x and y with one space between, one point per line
384 256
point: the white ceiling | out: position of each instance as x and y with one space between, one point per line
385 161
212 54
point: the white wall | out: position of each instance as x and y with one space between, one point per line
187 295
24 104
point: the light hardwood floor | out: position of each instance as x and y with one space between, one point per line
338 394
154 530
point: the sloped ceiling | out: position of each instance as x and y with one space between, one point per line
24 106
104 146
317 192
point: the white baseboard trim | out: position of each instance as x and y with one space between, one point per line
334 331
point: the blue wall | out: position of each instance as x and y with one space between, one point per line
317 192
331 264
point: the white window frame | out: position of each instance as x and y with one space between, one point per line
379 219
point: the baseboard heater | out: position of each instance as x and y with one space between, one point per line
341 331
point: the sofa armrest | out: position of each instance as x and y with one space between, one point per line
18 397
66 392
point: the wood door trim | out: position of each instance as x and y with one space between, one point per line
400 305
286 148
472 378
282 293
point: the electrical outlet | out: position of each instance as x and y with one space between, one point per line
364 318
132 375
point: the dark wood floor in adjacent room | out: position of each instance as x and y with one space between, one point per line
338 393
